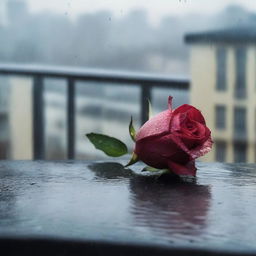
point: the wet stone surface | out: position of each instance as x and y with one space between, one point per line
103 202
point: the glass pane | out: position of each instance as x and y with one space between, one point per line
55 118
240 89
220 117
107 109
220 151
240 122
160 98
240 152
221 68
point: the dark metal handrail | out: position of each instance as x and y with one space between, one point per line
38 72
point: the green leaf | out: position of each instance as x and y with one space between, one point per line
134 159
150 112
132 130
109 145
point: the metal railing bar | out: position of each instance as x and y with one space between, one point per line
71 118
38 118
96 75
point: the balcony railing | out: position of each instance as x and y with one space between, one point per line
38 73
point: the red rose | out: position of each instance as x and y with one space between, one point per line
173 139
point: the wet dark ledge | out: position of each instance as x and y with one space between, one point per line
99 208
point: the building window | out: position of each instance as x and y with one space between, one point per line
240 151
220 151
221 69
220 117
240 122
240 84
255 152
255 122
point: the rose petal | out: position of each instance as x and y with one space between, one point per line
157 125
192 140
180 144
187 169
156 151
191 111
175 124
195 152
203 149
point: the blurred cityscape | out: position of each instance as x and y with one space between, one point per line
100 40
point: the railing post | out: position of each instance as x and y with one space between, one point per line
38 118
144 97
71 118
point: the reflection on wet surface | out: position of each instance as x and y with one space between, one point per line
170 210
105 201
110 171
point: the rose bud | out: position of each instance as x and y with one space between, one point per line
173 139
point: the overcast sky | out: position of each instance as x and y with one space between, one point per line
156 8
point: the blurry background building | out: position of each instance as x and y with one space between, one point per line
221 65
223 84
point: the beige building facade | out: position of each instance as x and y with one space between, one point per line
223 87
20 118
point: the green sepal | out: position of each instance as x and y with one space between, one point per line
134 159
150 111
132 131
109 145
